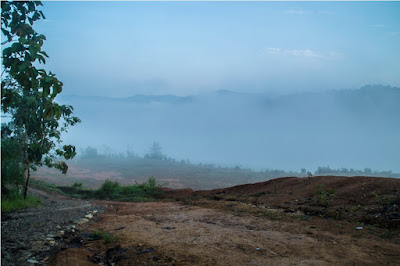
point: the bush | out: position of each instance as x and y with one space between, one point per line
77 185
146 191
324 197
108 190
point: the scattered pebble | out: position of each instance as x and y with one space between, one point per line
84 220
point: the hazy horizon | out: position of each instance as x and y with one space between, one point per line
258 84
344 128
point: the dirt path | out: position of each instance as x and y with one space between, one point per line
28 234
175 234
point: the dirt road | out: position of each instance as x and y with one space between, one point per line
175 234
30 234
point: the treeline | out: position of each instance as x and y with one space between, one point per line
155 153
325 170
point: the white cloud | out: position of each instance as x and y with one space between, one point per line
305 53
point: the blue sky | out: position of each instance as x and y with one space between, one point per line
121 49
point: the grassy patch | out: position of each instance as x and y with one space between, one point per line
46 186
106 236
17 202
150 190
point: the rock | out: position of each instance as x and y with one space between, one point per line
84 220
32 261
89 216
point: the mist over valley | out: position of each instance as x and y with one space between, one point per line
341 128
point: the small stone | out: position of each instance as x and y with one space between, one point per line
73 230
58 227
84 220
73 226
32 261
61 233
89 216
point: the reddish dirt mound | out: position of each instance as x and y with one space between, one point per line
370 200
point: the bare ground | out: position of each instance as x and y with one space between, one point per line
278 222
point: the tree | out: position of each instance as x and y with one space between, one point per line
90 153
28 93
155 152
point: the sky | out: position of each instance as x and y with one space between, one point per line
120 49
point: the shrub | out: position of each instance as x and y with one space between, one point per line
77 185
108 190
324 197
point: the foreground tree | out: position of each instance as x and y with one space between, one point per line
36 121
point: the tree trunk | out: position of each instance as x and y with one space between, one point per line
28 175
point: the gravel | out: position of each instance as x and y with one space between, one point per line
28 235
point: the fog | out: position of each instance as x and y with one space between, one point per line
338 128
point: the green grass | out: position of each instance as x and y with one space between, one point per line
46 186
147 191
107 237
150 190
17 203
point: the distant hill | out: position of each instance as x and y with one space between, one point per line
338 128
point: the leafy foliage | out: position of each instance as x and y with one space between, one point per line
324 197
11 170
28 95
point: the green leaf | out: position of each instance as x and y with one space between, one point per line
44 53
46 91
31 6
48 112
7 52
57 111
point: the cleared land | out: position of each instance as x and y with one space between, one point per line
282 221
